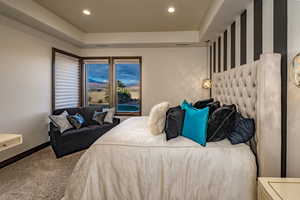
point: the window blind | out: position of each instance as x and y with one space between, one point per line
126 61
102 61
67 81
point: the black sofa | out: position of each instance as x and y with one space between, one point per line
77 139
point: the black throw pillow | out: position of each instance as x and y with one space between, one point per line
202 103
220 124
213 106
232 106
174 122
243 130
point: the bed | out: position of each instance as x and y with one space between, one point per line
129 163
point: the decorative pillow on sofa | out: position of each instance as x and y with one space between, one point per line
174 122
99 117
195 124
76 120
61 121
243 130
157 118
202 103
110 113
88 114
220 124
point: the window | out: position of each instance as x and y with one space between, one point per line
66 80
92 81
98 84
114 82
128 81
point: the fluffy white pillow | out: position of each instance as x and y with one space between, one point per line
157 118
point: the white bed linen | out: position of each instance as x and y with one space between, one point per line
130 163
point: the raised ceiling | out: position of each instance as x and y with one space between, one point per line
130 15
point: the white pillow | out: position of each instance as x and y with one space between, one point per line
61 121
109 117
157 118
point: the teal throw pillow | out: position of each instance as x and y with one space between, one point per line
184 105
195 124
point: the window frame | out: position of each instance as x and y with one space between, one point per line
83 81
85 103
53 81
112 80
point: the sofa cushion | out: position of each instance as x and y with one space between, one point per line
89 114
86 112
86 132
71 111
99 117
110 113
78 134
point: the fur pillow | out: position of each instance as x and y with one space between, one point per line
157 118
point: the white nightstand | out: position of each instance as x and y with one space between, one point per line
279 189
9 140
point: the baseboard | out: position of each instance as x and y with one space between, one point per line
23 154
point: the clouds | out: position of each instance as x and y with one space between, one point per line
127 73
98 73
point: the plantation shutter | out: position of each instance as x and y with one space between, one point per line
67 81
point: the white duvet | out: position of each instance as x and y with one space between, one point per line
128 163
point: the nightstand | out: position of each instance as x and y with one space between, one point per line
278 188
9 140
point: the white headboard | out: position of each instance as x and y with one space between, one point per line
256 90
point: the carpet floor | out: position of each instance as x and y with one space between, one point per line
38 176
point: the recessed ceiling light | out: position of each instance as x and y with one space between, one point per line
171 9
86 12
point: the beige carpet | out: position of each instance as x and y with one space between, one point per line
38 176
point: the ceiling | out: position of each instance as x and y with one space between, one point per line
130 15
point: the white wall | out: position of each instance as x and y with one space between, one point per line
293 158
25 83
250 32
268 26
168 74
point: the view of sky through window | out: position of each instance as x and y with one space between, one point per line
127 77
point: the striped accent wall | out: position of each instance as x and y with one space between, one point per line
260 28
245 39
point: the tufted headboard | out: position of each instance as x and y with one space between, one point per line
256 90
